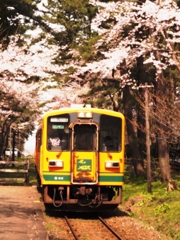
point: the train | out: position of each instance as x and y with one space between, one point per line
79 158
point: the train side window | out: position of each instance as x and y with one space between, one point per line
58 133
39 140
108 143
110 133
58 140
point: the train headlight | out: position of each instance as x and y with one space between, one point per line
112 164
56 163
84 114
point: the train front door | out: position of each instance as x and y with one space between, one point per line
84 154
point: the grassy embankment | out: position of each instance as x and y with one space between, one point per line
160 209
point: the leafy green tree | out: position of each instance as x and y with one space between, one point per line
13 14
74 21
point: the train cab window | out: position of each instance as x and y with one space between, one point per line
84 137
58 133
110 133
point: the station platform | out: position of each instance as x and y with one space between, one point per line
21 214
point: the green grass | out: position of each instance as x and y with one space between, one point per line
32 173
160 209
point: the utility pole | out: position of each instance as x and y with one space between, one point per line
1 142
148 152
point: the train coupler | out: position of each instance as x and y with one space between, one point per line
83 191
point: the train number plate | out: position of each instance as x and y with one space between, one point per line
84 165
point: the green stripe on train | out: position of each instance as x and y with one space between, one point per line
56 178
67 178
111 178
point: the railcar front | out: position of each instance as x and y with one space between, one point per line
80 158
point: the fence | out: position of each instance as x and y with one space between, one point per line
9 167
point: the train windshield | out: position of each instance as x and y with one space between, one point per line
58 133
110 136
85 137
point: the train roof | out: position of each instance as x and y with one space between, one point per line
83 109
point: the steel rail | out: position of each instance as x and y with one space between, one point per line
72 230
110 229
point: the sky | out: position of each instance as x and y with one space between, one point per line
29 145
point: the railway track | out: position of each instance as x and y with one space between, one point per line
111 231
71 228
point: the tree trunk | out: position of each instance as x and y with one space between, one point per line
162 101
163 153
132 138
164 165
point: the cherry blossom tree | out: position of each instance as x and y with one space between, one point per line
137 43
28 88
148 34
